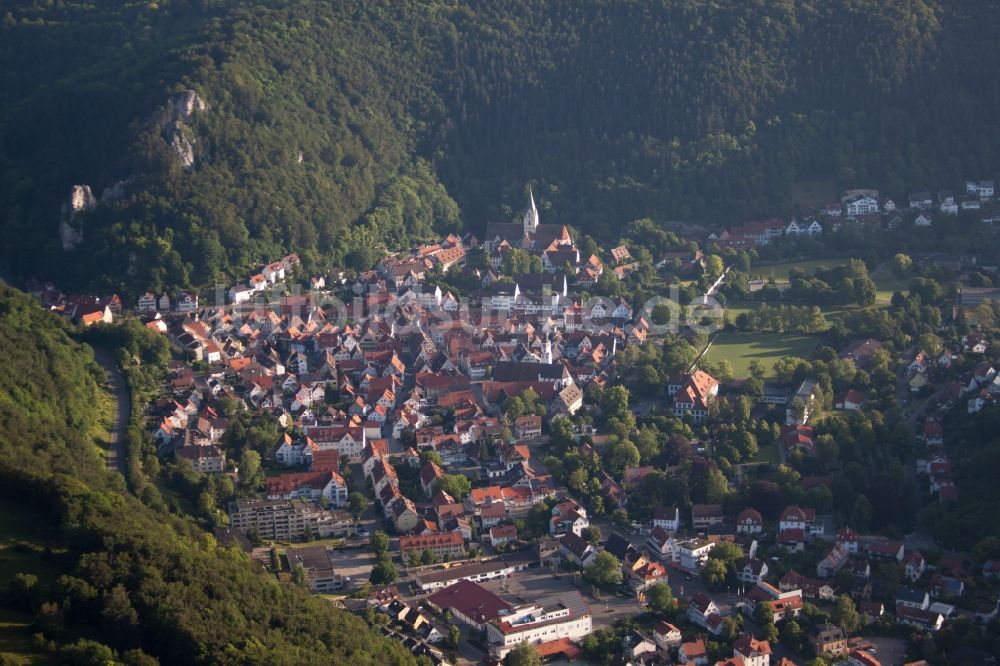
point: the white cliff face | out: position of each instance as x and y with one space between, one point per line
185 104
178 140
176 131
81 200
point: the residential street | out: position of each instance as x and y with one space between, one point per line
913 409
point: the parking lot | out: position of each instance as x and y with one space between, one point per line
355 564
889 651
533 584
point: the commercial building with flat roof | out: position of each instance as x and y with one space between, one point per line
286 520
561 616
319 570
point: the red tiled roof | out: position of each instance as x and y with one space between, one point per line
561 646
427 541
471 600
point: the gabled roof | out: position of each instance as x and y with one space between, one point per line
619 546
701 602
575 544
706 511
471 600
748 646
798 514
426 541
430 473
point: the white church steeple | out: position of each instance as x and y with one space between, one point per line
531 215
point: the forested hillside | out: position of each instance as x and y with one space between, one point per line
116 574
335 128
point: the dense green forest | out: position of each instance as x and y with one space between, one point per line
117 577
334 128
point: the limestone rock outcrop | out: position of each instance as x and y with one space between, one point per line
175 125
81 201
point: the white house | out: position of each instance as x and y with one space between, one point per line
749 521
662 545
187 301
666 635
861 205
752 652
291 453
667 517
983 189
240 294
692 554
274 272
701 609
568 517
147 301
751 570
348 440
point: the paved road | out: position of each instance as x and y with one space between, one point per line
123 406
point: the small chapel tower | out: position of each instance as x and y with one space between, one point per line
547 352
531 215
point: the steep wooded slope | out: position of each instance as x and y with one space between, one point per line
334 128
135 578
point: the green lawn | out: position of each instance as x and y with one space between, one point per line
780 271
742 348
887 282
768 453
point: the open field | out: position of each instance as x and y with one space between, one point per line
768 453
887 282
780 271
741 349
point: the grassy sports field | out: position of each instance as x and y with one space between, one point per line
780 271
741 349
